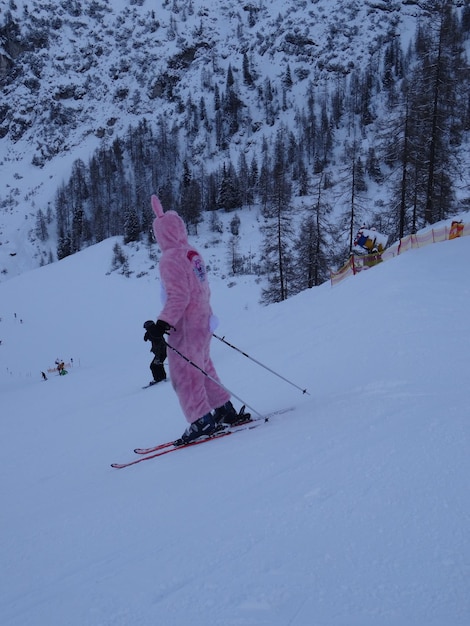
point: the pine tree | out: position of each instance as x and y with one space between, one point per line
78 228
229 192
264 180
277 245
253 179
120 260
287 80
402 157
41 226
235 225
247 77
191 203
434 101
243 177
353 186
236 261
64 245
277 258
131 226
310 264
311 258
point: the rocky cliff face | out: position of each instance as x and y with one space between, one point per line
73 66
11 46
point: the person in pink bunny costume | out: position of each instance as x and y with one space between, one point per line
186 318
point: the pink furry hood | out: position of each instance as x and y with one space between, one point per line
169 228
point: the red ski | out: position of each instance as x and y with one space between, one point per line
252 419
166 448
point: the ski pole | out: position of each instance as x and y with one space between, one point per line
255 361
214 380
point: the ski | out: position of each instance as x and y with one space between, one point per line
165 448
221 427
252 419
153 383
160 446
169 447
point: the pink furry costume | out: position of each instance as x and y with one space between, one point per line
187 309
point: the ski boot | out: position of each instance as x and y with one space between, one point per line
227 415
203 427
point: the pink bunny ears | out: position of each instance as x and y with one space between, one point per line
157 206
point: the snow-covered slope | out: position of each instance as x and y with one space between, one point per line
351 509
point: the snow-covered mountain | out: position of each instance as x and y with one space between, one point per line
100 66
77 75
351 509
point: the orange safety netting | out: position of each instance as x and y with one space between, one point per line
357 263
